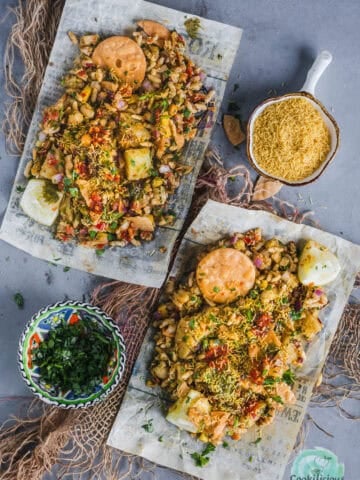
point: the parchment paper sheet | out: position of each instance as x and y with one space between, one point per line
243 460
214 50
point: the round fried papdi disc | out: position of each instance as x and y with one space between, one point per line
224 274
124 56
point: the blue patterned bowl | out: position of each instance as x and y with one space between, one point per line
36 331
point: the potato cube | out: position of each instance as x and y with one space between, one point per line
137 163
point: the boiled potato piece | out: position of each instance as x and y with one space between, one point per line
137 163
317 265
311 325
36 206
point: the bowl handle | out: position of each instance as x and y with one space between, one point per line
318 67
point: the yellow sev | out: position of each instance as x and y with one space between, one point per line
290 139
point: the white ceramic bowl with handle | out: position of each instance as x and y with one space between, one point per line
308 92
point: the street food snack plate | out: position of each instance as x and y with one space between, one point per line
247 458
214 51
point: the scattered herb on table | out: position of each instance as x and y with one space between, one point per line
202 459
19 300
66 269
258 440
20 188
74 356
148 426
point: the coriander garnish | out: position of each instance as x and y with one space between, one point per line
19 300
202 459
74 356
149 427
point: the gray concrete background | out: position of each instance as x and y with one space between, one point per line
281 39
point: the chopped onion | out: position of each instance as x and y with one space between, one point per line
147 85
233 240
258 262
164 169
83 231
57 178
202 76
42 136
156 134
121 104
318 292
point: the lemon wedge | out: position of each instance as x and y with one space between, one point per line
178 413
317 265
36 206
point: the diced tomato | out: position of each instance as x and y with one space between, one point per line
189 70
216 357
263 321
83 169
50 115
256 376
74 319
69 230
261 324
101 226
197 97
251 407
105 379
95 197
52 160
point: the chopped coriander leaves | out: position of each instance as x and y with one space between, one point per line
253 293
225 444
192 323
20 188
258 440
100 251
74 192
92 234
19 300
160 439
289 377
271 380
277 399
148 426
202 459
216 289
67 183
74 356
295 315
66 269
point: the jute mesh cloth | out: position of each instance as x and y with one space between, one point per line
72 443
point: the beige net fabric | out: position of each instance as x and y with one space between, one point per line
73 442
